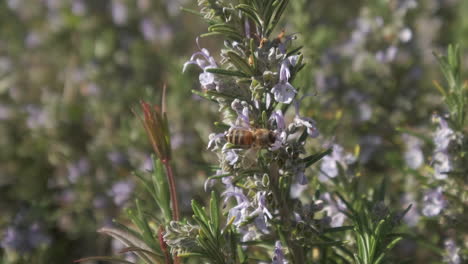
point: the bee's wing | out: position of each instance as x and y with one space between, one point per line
241 125
250 157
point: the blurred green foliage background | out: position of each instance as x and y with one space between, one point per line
72 70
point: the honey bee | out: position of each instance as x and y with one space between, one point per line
257 138
252 140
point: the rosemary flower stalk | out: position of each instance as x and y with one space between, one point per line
261 152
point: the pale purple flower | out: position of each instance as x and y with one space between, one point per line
33 39
245 209
365 111
300 175
242 110
268 100
414 158
207 80
277 119
279 257
300 181
279 141
451 252
25 239
329 166
37 117
229 186
387 55
100 201
147 165
77 169
283 91
117 158
152 32
261 213
442 165
442 138
231 156
240 211
405 35
248 233
205 61
334 209
78 7
119 12
284 73
413 155
308 123
215 141
297 189
443 135
433 202
148 29
24 235
14 4
121 192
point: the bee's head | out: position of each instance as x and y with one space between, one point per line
272 137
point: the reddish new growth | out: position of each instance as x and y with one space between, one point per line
156 125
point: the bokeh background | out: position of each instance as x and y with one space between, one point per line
72 70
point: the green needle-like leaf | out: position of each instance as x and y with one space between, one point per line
240 63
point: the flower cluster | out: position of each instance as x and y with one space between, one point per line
331 163
414 156
443 136
25 234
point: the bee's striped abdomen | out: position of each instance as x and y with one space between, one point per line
241 138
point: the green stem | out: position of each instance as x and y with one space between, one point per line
172 190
